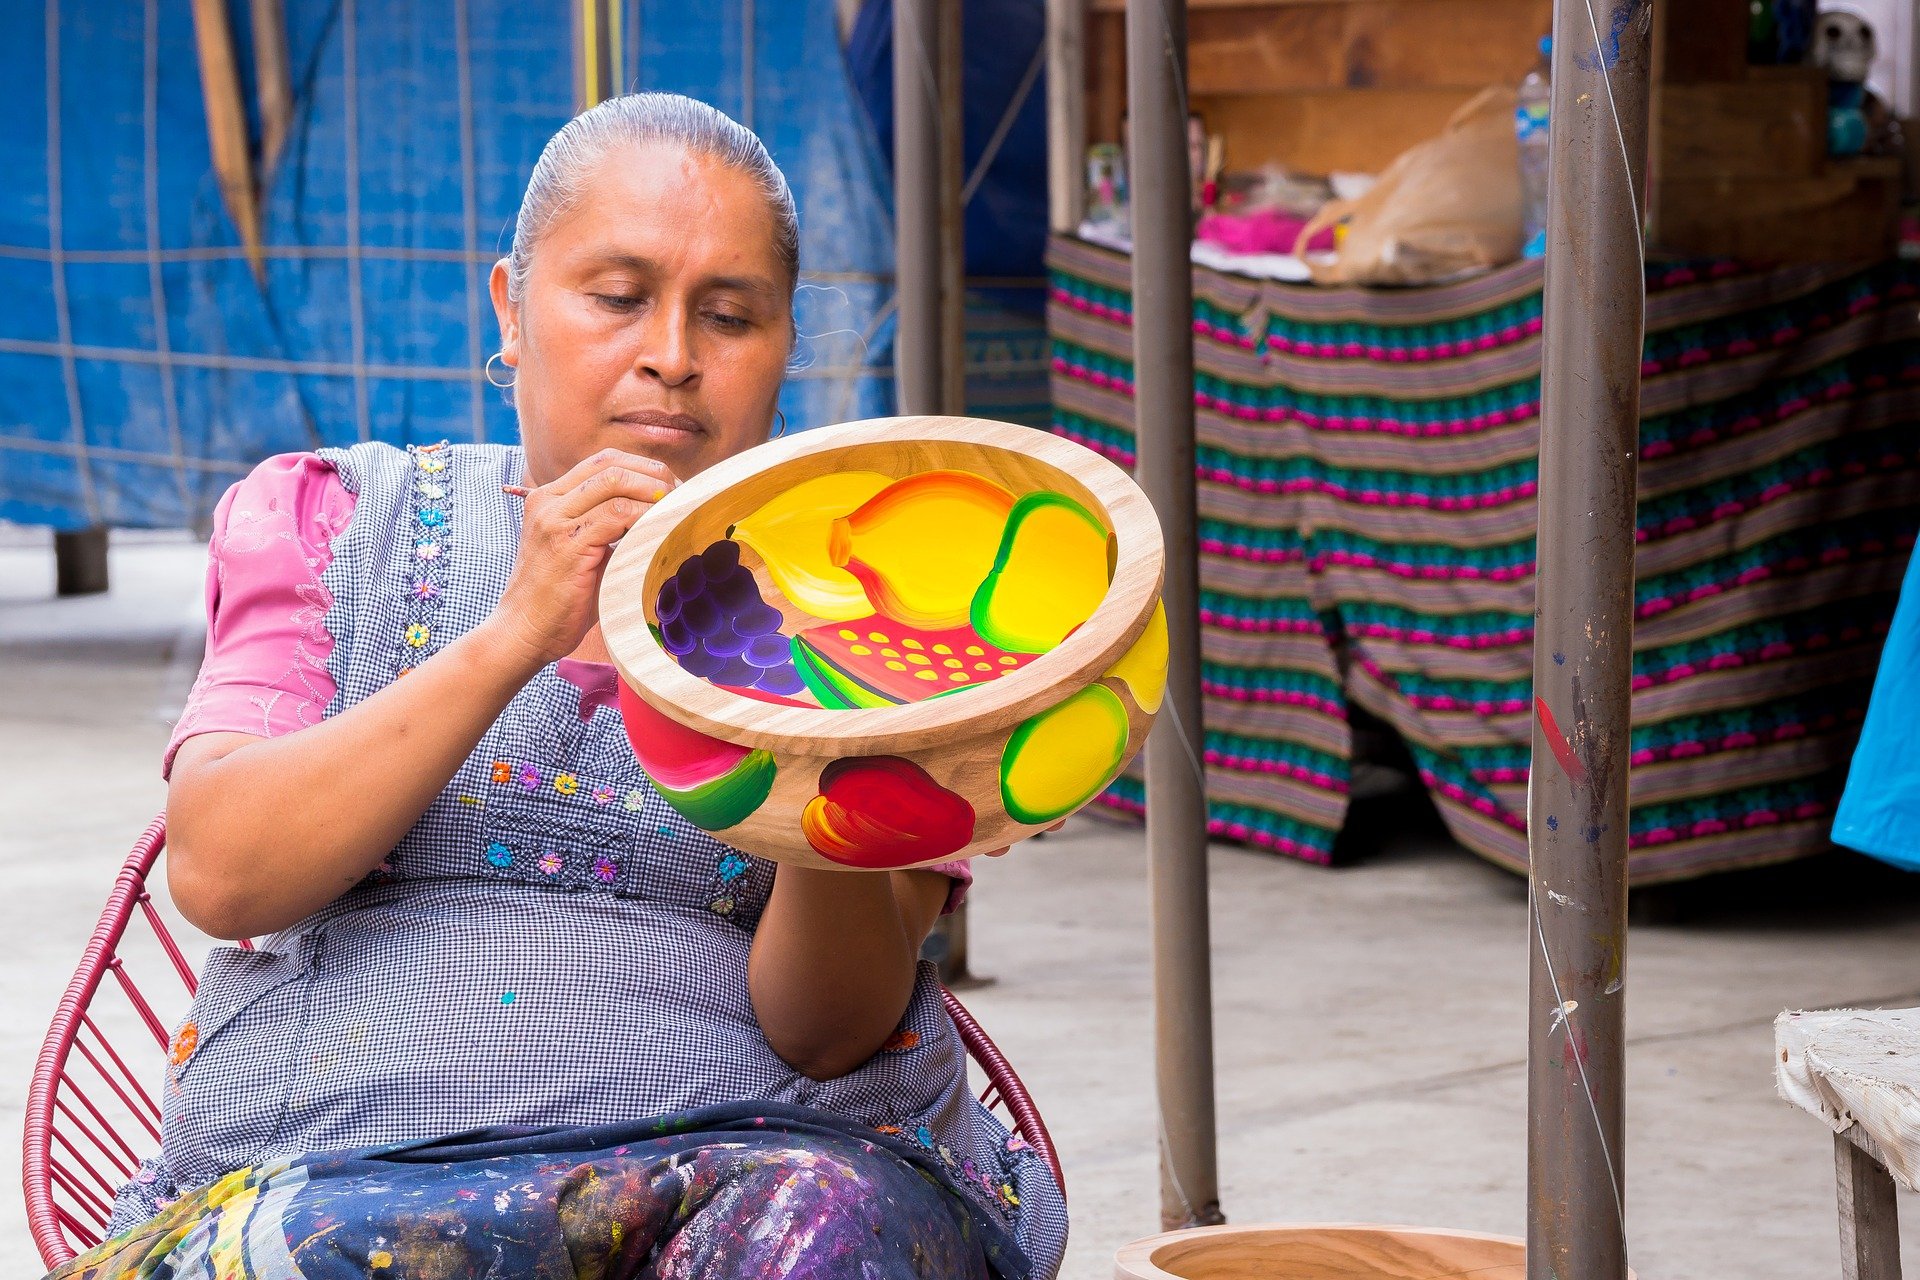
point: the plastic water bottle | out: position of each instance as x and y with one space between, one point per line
1530 128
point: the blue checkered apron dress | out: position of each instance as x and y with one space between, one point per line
551 944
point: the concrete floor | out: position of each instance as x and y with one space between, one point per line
1369 1021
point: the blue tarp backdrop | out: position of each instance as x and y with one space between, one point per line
142 368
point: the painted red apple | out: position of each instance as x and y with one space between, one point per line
881 812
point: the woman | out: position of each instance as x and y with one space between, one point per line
403 767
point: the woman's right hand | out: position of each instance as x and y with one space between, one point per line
567 532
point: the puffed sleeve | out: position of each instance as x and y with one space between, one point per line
265 669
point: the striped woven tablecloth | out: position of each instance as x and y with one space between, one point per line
1367 465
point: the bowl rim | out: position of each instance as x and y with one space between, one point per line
1080 659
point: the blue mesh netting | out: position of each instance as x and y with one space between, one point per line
142 368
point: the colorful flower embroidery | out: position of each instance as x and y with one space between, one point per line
433 517
426 550
433 466
636 800
732 867
900 1041
602 794
551 863
1018 1142
892 1130
417 634
499 855
566 784
185 1041
605 869
502 771
431 491
1008 1194
529 777
722 906
424 590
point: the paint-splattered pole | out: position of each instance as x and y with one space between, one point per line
1583 641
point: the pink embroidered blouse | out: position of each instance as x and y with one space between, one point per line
265 670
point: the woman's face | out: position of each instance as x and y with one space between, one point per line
656 319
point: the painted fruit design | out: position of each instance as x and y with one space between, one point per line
1048 576
794 537
879 662
712 784
716 626
1065 756
881 812
921 546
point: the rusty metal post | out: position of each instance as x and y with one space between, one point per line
1594 322
1176 792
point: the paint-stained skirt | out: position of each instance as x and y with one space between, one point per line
780 1193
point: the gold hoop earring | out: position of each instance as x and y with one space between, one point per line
782 428
487 372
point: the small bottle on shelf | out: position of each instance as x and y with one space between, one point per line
1530 129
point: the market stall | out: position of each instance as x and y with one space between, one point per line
1368 462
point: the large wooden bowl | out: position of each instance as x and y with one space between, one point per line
879 736
1322 1251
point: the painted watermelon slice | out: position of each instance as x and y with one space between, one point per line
881 662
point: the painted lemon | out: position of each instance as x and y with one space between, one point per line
1063 757
1048 576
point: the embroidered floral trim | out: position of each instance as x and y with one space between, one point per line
900 1041
433 518
551 863
566 784
499 855
502 771
605 869
185 1041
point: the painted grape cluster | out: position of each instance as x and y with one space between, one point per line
716 625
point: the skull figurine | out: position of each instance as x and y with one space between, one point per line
1843 47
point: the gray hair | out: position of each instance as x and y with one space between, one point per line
640 118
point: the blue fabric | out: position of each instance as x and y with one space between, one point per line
142 368
1879 812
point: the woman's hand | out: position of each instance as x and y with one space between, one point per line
567 531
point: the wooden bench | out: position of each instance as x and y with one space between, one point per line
1858 1070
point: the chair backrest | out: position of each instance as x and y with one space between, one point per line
89 1118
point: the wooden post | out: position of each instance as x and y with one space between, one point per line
80 561
1869 1214
1066 115
1594 320
596 52
1176 792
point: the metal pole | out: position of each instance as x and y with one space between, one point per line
1176 795
953 229
916 206
1066 114
1594 317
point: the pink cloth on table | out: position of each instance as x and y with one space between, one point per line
265 670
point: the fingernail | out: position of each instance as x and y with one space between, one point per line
515 490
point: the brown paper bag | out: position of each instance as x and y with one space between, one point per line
1449 205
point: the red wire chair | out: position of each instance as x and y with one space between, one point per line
89 1116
